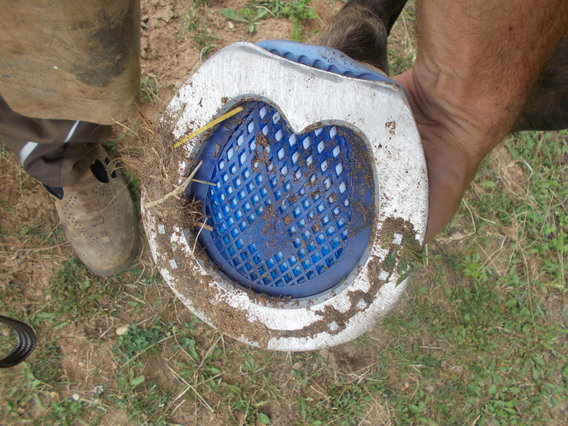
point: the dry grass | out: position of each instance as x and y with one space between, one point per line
480 337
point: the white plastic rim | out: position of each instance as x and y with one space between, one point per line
376 111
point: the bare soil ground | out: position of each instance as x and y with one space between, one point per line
126 351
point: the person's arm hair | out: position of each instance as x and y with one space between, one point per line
477 62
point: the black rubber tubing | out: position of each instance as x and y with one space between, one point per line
25 344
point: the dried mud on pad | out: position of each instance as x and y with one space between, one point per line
175 209
166 206
353 359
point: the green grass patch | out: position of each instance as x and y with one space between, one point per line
479 343
194 24
297 11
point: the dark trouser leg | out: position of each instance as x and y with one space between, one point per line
56 152
93 203
360 30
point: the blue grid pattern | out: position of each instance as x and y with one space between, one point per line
281 208
326 59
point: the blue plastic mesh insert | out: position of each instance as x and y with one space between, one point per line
290 213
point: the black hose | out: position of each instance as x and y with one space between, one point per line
24 346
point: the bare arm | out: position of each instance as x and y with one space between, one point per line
477 62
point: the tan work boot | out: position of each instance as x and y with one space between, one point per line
98 217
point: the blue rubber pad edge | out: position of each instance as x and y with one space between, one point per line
325 59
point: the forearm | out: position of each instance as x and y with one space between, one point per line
478 60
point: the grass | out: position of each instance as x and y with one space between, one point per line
493 340
401 44
251 14
149 88
296 11
480 338
254 11
475 343
195 25
75 294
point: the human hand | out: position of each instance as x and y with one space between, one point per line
454 142
477 62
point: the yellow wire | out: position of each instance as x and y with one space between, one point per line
208 126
